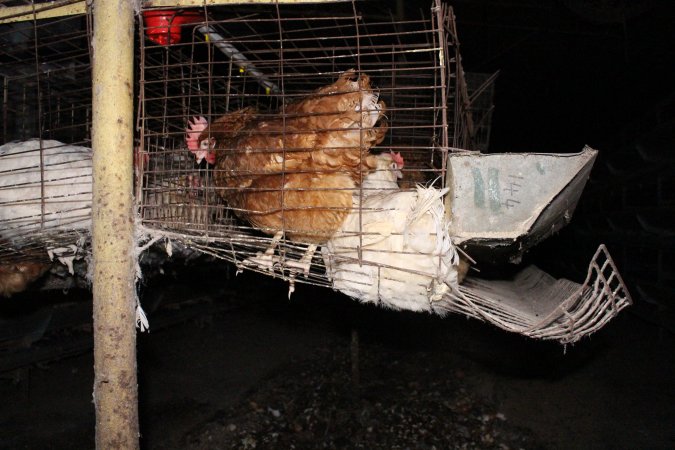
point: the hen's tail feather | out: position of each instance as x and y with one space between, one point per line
429 200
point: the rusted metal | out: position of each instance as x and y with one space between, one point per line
5 105
40 11
62 8
194 3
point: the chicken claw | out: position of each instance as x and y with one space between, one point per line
267 260
304 264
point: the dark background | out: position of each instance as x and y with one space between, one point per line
572 73
598 73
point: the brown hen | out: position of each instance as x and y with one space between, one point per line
296 172
15 277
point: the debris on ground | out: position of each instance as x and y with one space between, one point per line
404 400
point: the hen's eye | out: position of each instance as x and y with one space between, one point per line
393 166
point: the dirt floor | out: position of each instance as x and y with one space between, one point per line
258 371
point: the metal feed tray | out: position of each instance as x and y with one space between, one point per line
503 204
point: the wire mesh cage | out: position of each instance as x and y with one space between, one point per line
480 91
290 77
45 162
307 143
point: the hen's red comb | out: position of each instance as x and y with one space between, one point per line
194 130
398 159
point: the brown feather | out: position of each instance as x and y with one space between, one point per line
297 171
15 277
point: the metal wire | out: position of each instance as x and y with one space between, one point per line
45 192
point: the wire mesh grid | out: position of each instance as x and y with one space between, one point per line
480 91
45 162
539 306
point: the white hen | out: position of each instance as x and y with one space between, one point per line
45 197
44 190
407 259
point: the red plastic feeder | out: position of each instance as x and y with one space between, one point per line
163 26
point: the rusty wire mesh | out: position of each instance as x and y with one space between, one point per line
275 56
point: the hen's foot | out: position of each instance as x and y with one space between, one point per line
304 264
267 260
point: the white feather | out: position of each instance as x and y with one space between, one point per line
407 255
62 172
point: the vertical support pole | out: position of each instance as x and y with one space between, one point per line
5 106
115 382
